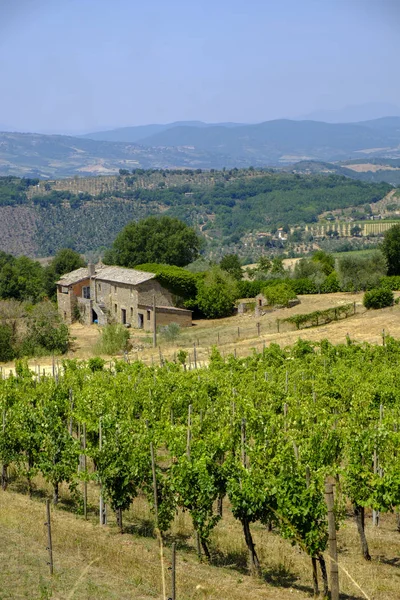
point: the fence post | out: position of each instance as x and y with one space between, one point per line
334 571
277 325
258 328
49 540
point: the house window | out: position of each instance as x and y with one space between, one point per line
148 315
131 312
99 287
86 292
115 289
115 308
64 290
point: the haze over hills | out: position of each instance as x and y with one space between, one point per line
197 145
354 113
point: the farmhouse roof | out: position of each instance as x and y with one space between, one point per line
74 276
113 274
123 275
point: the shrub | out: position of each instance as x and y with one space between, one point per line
170 332
378 298
114 339
217 294
279 294
46 332
331 284
96 363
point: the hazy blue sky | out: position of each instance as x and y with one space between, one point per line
81 65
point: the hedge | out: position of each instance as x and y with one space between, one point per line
177 280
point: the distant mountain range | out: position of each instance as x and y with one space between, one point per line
195 144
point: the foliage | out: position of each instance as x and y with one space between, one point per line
22 279
326 261
216 294
279 294
65 261
231 264
378 298
391 249
264 430
178 281
357 273
320 317
114 338
160 240
96 363
46 332
227 204
7 351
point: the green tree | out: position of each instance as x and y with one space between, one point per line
158 240
231 264
277 266
65 261
324 259
391 249
279 294
217 294
22 279
357 273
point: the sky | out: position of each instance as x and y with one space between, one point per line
74 66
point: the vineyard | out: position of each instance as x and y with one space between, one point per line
254 439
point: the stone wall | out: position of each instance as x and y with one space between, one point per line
165 316
120 297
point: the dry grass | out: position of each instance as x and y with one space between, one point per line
93 562
364 326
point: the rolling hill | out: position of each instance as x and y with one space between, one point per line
228 207
196 145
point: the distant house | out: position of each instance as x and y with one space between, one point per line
114 294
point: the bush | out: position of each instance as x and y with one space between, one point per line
170 332
331 284
217 294
279 294
96 363
114 339
378 298
46 332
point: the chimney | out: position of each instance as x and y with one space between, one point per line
91 269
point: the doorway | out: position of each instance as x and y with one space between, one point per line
95 318
140 320
123 316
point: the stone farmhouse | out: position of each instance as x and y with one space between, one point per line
105 294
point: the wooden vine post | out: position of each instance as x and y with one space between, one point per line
49 539
153 470
102 505
84 467
334 567
173 572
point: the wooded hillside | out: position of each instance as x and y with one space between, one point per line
87 213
